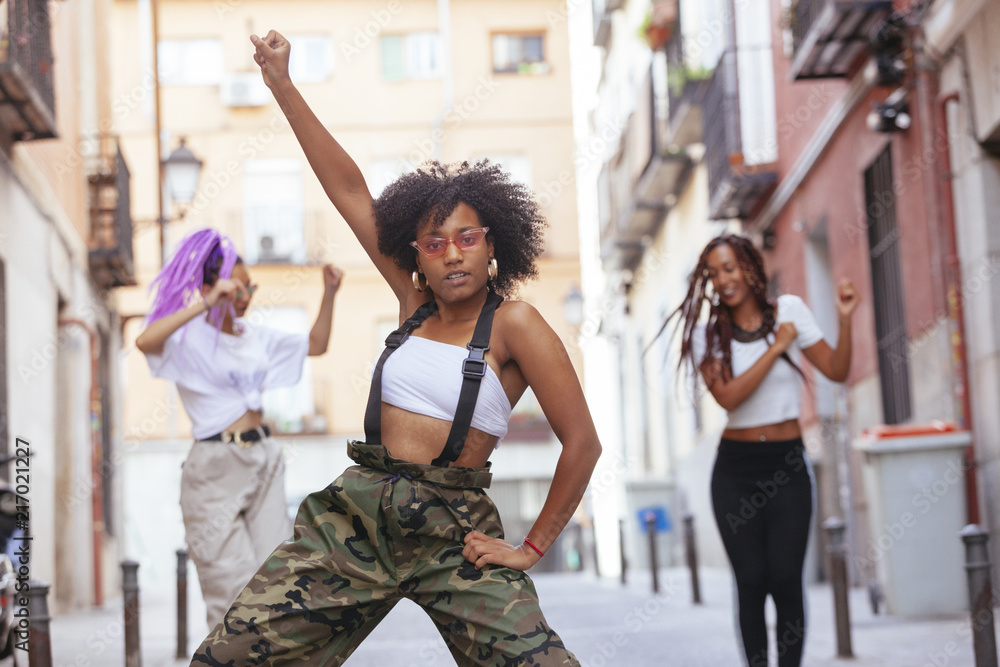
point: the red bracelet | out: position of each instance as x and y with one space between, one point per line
537 550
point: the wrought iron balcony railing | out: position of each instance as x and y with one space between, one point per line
830 37
111 253
27 94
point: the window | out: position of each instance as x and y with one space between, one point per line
416 55
519 54
273 216
287 407
190 62
890 319
518 166
311 58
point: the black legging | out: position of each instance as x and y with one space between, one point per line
762 497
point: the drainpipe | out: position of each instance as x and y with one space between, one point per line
97 494
956 314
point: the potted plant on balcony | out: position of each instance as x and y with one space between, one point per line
659 24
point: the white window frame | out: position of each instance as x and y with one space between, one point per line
190 62
505 61
278 210
312 58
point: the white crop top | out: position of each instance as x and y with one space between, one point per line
778 397
219 377
425 376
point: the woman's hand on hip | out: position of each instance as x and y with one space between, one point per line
481 549
271 54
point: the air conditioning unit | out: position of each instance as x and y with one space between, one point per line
244 89
268 252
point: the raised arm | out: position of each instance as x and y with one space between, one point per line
545 364
836 363
336 170
319 335
152 339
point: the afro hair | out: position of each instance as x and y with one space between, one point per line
431 193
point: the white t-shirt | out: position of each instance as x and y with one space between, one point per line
778 397
219 376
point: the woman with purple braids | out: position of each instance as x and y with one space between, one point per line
232 486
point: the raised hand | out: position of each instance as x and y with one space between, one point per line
271 54
847 298
224 289
332 277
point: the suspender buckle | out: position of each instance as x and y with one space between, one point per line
396 338
474 368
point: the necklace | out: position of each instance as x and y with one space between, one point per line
743 336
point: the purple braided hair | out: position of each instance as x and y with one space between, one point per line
201 258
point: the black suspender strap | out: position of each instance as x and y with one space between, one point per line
373 413
473 371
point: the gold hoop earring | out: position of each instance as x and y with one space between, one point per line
416 282
493 268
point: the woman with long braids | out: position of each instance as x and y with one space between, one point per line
742 353
412 519
232 484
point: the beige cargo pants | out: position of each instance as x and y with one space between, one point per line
235 514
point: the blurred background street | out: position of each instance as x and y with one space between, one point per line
854 140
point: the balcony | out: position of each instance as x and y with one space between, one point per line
736 189
639 185
111 262
602 20
27 96
830 37
686 88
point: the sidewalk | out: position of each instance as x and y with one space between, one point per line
603 623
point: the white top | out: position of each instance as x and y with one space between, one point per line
425 376
219 376
778 397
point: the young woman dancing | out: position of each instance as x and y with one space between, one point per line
742 354
232 485
411 519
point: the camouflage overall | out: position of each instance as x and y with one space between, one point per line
384 530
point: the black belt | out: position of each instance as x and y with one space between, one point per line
244 439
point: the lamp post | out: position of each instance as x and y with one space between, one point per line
573 307
177 176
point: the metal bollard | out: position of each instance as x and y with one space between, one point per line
691 556
650 520
621 547
182 605
39 637
837 549
130 590
977 569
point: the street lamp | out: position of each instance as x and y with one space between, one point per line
181 171
573 307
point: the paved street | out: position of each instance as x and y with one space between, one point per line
602 622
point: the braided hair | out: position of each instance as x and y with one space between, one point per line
719 329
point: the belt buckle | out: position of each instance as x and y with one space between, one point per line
237 437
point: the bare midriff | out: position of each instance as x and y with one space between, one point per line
250 420
419 439
786 430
